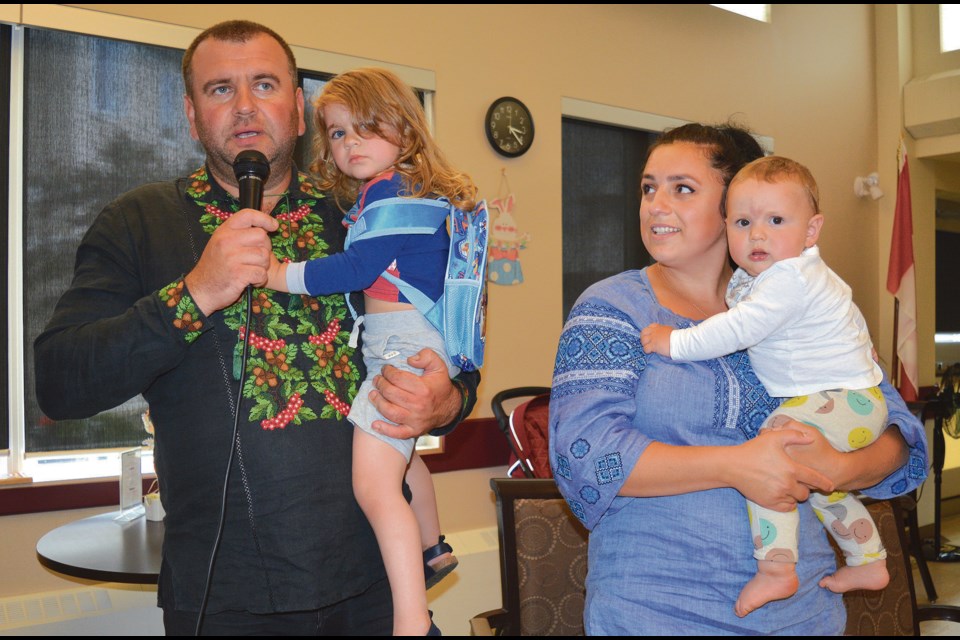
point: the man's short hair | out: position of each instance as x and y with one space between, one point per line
238 31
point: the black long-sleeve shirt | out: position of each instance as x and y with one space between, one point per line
294 538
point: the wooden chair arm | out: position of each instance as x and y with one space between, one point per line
488 623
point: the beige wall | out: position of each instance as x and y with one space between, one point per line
806 80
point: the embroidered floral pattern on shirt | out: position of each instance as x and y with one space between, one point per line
562 467
187 317
741 402
577 509
579 448
296 344
599 348
589 495
916 468
609 468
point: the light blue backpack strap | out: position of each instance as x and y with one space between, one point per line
423 303
353 312
391 216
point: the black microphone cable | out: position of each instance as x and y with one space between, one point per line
233 448
251 169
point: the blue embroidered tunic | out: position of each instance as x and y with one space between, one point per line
675 564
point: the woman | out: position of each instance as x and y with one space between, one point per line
655 456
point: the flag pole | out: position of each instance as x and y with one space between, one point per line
895 367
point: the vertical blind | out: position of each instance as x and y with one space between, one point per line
101 117
601 206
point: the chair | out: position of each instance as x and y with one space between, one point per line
525 428
892 611
543 564
921 410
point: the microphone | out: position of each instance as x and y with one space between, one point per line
252 170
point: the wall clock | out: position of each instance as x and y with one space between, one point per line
509 127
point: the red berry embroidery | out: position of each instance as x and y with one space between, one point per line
217 212
264 344
296 215
338 404
283 418
328 335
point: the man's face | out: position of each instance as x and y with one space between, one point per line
244 98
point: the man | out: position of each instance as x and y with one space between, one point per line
157 307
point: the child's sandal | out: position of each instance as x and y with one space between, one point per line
434 573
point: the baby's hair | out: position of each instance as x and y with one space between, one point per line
383 105
780 169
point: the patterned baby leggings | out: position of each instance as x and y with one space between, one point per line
850 419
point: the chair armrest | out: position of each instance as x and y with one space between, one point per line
488 623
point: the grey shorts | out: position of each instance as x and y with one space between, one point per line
391 338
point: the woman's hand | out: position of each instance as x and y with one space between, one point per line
853 470
816 453
761 469
764 471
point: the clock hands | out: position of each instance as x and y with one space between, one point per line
507 138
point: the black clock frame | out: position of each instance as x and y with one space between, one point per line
489 129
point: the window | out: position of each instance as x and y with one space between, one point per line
4 177
949 27
125 121
759 12
601 205
312 84
99 115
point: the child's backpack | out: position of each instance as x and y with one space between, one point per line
460 313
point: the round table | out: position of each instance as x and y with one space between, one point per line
105 548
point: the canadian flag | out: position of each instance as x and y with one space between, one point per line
901 282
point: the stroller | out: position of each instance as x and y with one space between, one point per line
526 428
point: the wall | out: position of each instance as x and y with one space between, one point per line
691 62
918 89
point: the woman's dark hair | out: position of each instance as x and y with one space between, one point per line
729 146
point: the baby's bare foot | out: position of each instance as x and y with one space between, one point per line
872 576
774 581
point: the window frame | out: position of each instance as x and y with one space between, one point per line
16 464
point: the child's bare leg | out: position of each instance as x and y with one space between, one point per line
424 505
872 576
773 581
424 502
378 471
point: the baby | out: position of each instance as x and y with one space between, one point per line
809 344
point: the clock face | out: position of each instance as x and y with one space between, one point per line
509 127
